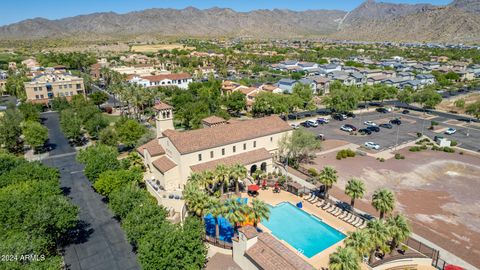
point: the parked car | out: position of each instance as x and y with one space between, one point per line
364 131
351 126
395 122
382 110
346 128
450 131
312 123
373 128
372 145
405 111
389 126
295 126
323 120
370 123
320 137
350 114
339 116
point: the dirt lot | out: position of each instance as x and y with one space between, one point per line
439 192
157 47
448 105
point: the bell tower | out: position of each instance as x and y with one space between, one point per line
163 118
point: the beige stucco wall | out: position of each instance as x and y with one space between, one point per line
67 88
239 249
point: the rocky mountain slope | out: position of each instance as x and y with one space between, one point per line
372 20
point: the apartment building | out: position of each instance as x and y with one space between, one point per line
46 86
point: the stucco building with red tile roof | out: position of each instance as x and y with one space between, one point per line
174 155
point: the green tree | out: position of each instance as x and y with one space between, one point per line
460 103
399 230
299 146
238 172
359 241
355 189
383 201
30 112
108 136
303 91
197 201
379 235
123 200
142 219
344 259
474 109
60 104
235 102
258 211
235 212
10 131
70 124
328 177
108 181
35 134
98 98
129 131
343 98
95 124
97 159
406 95
428 97
222 173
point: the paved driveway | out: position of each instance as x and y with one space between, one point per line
99 243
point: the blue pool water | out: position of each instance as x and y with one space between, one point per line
306 233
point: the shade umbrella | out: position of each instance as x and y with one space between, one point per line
253 188
453 267
276 184
264 184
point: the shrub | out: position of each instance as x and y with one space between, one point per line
399 156
312 172
453 143
381 159
419 134
461 152
423 147
448 150
415 149
345 153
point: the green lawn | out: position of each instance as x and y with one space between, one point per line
112 118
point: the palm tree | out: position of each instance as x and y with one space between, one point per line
344 259
383 201
378 234
197 180
355 189
238 172
328 177
196 200
222 173
259 211
399 230
209 181
235 212
216 209
359 241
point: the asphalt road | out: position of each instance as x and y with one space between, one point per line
387 138
98 242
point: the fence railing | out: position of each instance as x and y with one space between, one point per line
217 242
396 257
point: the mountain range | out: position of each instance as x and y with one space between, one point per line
371 21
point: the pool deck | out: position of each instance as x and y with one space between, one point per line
321 259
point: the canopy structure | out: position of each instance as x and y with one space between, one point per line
253 188
453 267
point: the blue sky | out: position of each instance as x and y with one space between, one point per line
13 11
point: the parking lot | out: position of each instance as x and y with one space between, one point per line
404 133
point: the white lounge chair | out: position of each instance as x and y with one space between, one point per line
347 217
332 209
312 199
343 215
326 206
309 197
339 213
320 202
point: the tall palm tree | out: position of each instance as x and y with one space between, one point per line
216 209
344 259
359 241
222 174
383 201
328 177
209 181
355 189
378 234
198 203
238 172
399 230
259 211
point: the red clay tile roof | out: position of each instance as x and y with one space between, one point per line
161 77
249 231
164 164
162 106
270 254
244 159
205 138
153 147
213 120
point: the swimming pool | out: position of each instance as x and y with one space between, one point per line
306 233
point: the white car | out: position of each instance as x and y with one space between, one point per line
450 131
370 123
295 126
372 145
312 123
345 128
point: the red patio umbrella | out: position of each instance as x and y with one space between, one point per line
253 188
264 184
276 184
453 267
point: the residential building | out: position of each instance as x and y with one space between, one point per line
173 156
31 64
3 82
181 80
330 68
425 79
46 86
287 85
140 70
